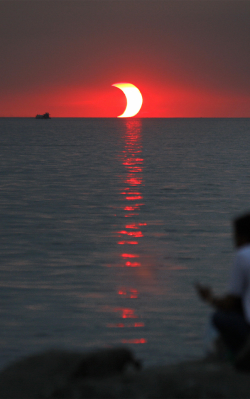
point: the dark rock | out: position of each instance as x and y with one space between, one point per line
106 362
45 374
61 374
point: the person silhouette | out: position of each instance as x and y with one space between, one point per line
232 311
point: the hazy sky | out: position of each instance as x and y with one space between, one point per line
188 58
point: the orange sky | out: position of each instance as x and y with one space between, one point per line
188 58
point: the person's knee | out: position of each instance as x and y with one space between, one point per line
217 319
232 321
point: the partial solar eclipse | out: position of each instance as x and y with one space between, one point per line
134 99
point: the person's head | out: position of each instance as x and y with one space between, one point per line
241 227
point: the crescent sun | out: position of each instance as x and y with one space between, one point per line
134 99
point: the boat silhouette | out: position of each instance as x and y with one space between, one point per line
44 116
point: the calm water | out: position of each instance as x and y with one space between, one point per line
107 223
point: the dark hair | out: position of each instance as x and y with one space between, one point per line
242 226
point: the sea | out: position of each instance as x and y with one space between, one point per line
107 224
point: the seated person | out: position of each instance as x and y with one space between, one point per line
232 315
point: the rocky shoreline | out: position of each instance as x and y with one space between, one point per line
115 373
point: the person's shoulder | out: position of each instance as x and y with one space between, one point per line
244 252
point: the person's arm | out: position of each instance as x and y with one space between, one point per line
227 302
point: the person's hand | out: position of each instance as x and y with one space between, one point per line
204 292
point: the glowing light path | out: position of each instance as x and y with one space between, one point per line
134 99
130 260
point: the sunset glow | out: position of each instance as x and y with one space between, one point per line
181 74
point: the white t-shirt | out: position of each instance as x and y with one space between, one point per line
240 278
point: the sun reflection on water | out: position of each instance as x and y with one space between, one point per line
132 199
